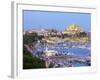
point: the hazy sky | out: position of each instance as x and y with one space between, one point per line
56 20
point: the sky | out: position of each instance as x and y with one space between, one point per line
55 20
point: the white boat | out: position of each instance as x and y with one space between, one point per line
50 52
70 53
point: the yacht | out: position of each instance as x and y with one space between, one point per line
50 52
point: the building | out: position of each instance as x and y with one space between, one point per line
43 32
72 30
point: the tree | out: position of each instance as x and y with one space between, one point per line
29 38
30 62
40 37
83 34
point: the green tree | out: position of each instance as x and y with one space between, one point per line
29 38
30 62
83 34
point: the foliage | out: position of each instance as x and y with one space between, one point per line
30 62
29 38
83 34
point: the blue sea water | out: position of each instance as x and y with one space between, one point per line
82 52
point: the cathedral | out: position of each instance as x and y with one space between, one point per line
73 29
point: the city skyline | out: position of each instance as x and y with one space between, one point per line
55 20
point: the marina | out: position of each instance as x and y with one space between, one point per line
56 43
64 56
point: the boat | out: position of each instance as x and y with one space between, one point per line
50 52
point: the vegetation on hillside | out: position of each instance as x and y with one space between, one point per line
29 38
30 61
